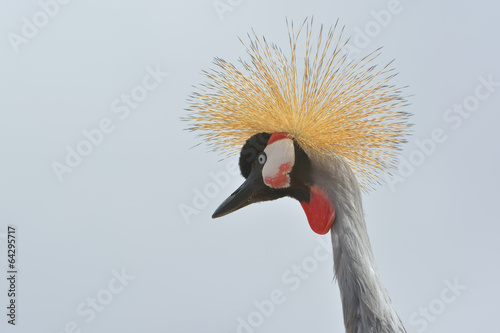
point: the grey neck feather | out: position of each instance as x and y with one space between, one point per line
366 305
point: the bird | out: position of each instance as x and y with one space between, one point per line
317 126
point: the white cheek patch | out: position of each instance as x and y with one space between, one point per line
280 160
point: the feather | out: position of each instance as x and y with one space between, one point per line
328 104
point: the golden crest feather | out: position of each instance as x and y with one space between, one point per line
331 106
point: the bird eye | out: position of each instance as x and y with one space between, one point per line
262 158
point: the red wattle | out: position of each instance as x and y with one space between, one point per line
319 211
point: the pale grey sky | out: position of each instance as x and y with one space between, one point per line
96 181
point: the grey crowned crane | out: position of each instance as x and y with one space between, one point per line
319 130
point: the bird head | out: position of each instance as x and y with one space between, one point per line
275 166
285 118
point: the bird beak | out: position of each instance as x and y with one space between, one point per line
250 191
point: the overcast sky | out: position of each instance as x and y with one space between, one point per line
112 207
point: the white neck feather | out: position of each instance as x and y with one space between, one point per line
366 305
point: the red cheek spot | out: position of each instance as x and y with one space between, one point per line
281 178
319 211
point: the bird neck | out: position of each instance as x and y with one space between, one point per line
365 302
